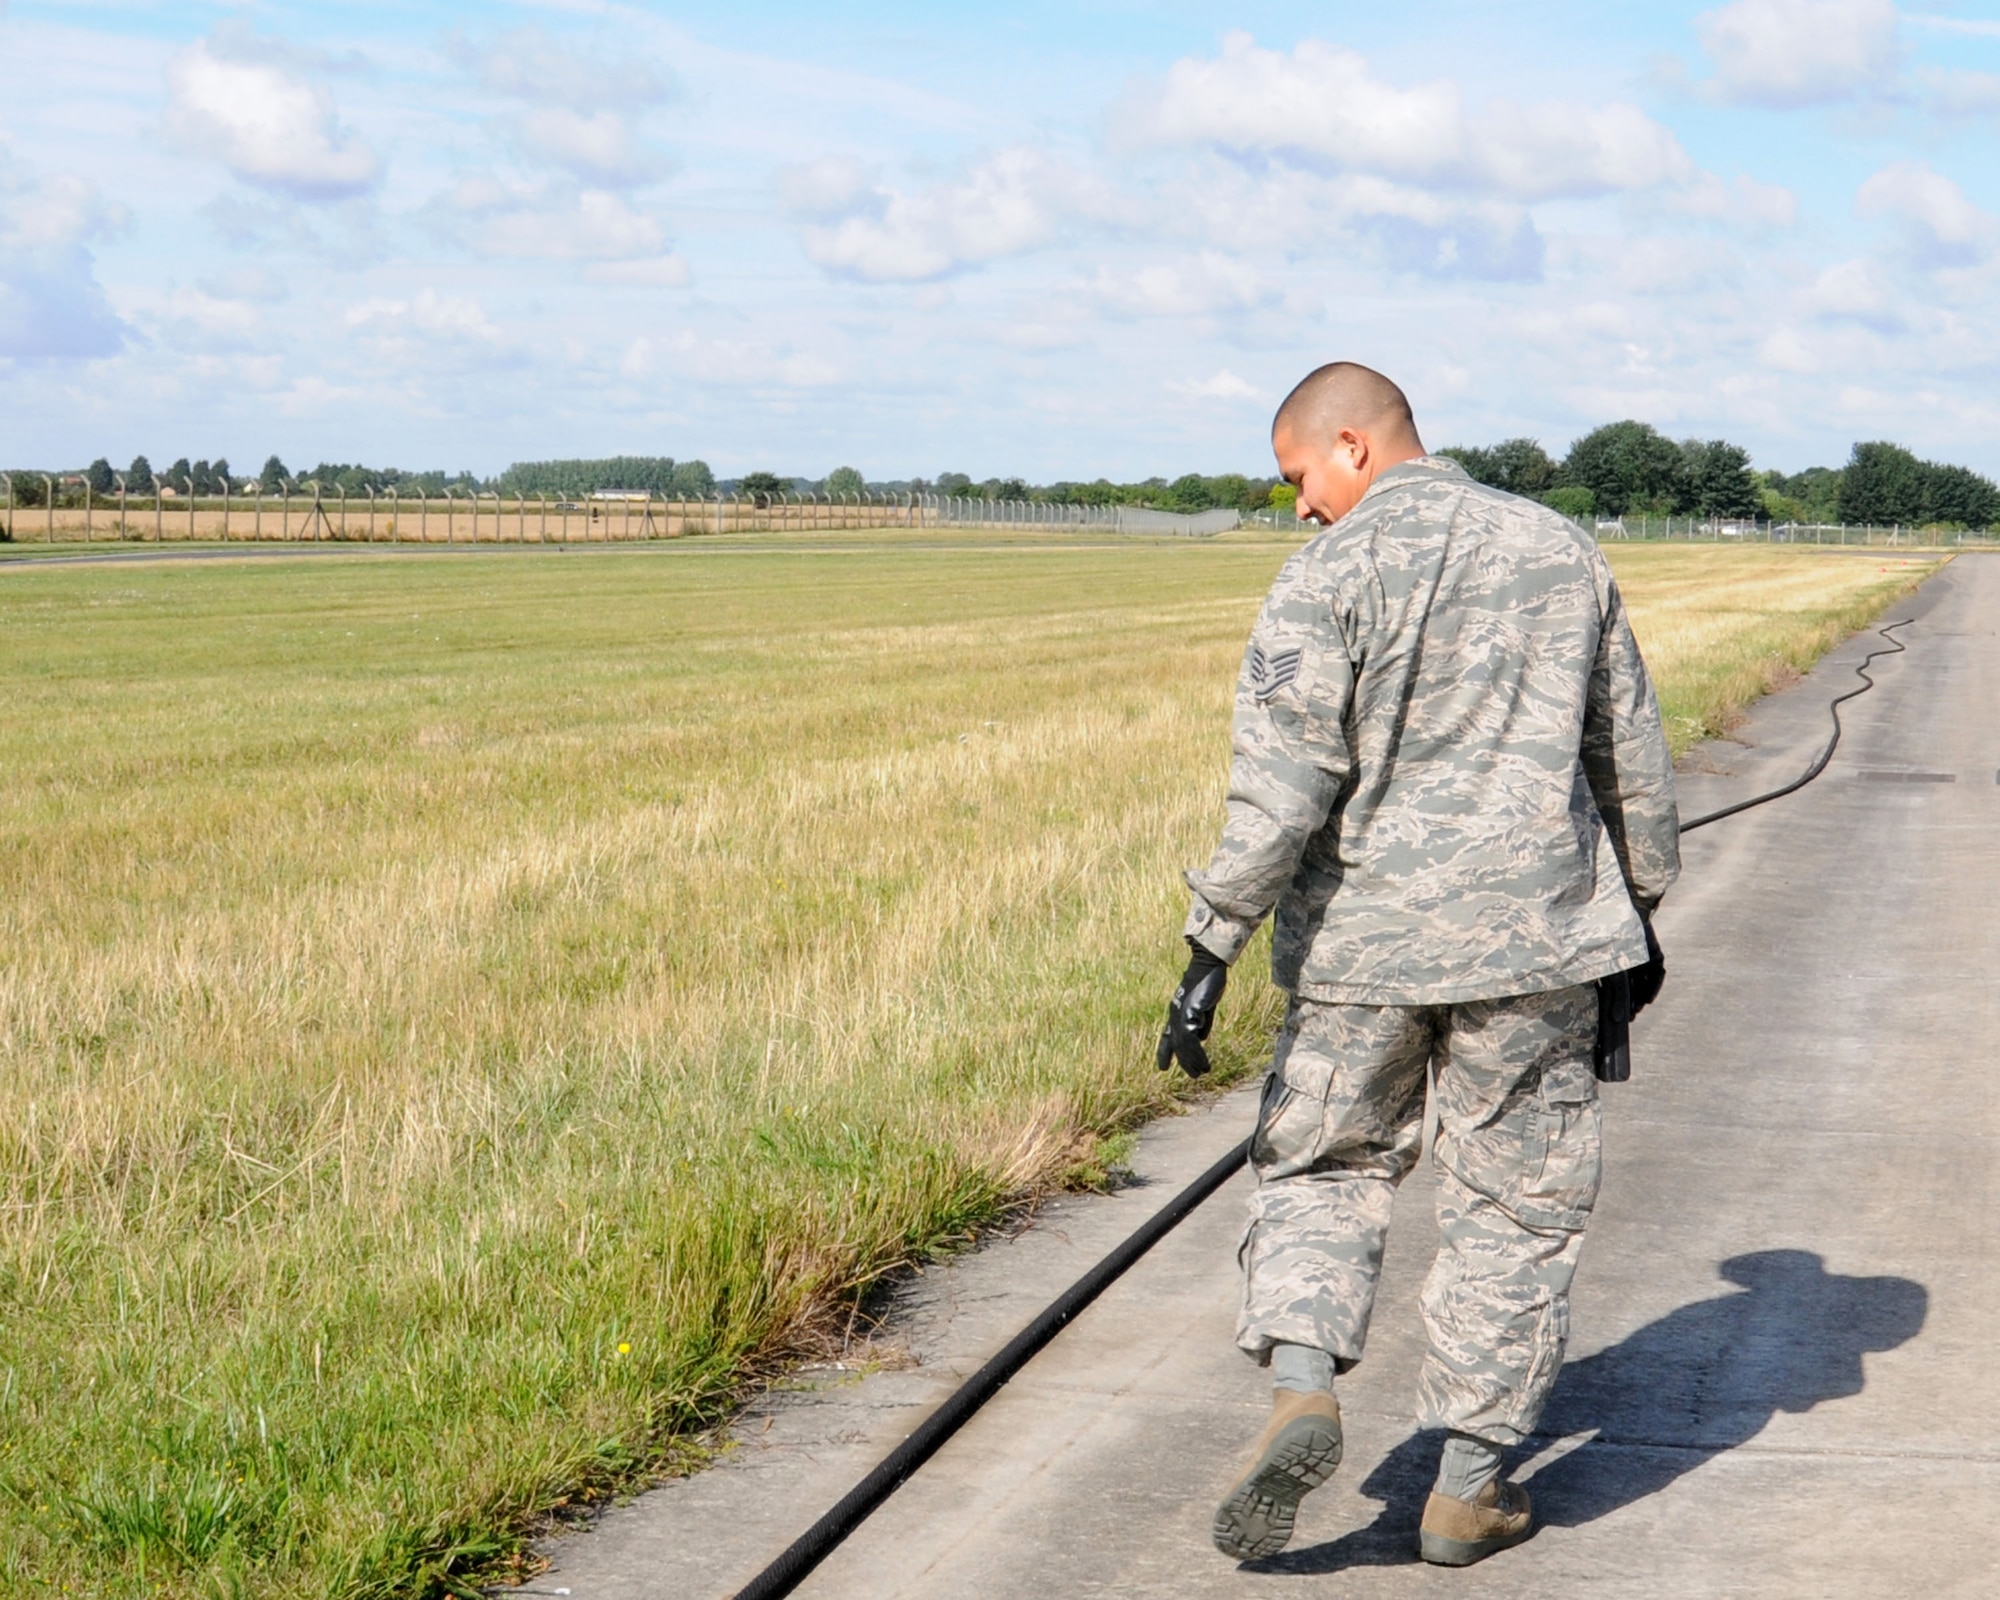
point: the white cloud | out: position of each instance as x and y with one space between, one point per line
599 147
1855 291
528 64
548 223
653 272
1744 199
1955 92
51 304
1939 225
727 362
270 127
1016 200
822 190
1223 385
1787 349
1320 105
1799 52
1205 285
195 319
429 333
434 316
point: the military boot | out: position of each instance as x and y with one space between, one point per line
1457 1533
1297 1453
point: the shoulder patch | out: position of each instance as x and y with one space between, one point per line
1271 671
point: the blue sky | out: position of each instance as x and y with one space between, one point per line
1053 240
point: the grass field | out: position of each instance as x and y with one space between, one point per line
462 1013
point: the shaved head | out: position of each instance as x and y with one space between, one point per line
1346 395
1336 433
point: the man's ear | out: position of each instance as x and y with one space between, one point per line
1356 446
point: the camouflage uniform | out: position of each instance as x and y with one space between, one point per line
1451 787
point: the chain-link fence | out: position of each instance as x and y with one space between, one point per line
1713 530
309 513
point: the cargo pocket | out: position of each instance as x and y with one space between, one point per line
1291 1117
1564 1154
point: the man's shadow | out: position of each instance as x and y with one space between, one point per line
1680 1391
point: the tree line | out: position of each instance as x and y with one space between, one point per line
1631 468
572 480
1623 468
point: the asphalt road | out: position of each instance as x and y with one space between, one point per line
1782 1377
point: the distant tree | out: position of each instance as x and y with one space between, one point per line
29 490
202 477
691 481
1572 500
178 475
1283 496
139 476
1520 466
1777 505
1818 490
950 483
101 478
272 479
1004 489
845 480
1627 466
219 474
759 487
1883 485
1187 493
1477 461
1523 466
572 479
1960 497
1718 479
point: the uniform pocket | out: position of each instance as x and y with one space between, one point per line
1564 1155
1291 1123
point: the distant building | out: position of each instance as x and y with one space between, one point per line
620 494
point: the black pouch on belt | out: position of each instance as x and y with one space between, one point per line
1612 1059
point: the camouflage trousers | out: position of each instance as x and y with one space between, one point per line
1518 1159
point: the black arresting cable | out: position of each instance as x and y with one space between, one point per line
817 1542
1895 647
798 1559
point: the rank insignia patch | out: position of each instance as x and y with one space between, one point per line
1270 672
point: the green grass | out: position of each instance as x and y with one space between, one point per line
463 1014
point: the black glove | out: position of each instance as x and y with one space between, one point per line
1646 980
1191 1012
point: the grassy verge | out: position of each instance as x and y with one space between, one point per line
459 1012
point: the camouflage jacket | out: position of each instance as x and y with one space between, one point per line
1449 776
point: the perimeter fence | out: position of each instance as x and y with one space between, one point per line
310 514
1619 530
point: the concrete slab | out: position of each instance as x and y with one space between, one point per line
1781 1381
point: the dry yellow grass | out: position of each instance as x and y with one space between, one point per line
458 1011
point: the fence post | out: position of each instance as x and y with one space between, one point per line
190 486
7 483
369 490
121 504
87 498
49 519
225 508
285 509
159 509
